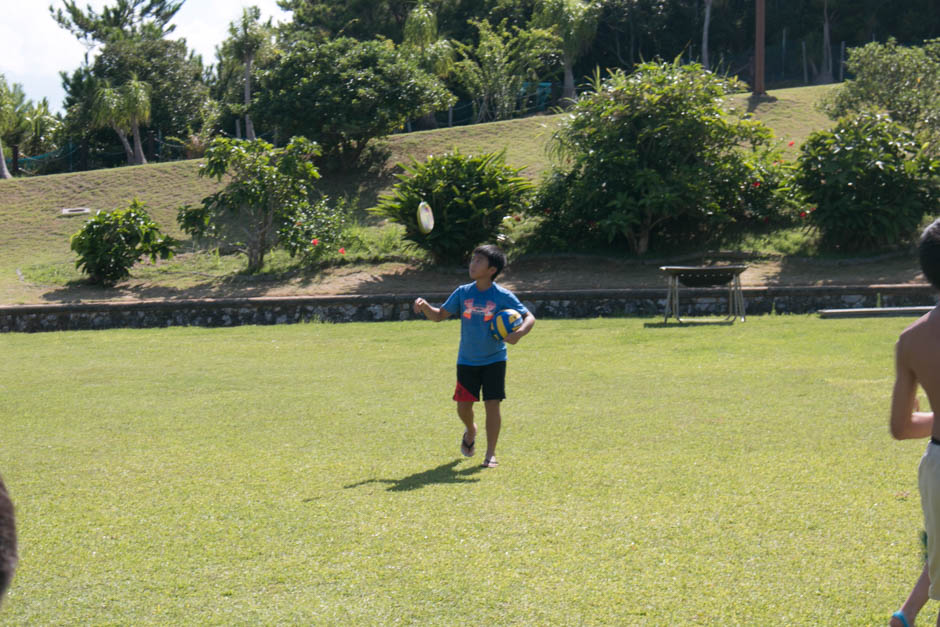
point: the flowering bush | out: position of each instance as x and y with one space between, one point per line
869 181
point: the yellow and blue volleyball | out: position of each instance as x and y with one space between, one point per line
504 323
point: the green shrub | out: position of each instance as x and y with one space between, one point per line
653 154
342 93
269 201
868 181
902 81
110 244
470 196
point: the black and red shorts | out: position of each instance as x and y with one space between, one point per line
491 378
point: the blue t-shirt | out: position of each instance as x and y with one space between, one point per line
476 309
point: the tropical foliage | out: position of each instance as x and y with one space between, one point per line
470 196
869 183
110 244
268 201
902 81
494 71
344 93
653 154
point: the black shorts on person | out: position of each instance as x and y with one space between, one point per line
491 377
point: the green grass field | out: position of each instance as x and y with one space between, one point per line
309 474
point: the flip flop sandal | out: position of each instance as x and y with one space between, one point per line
490 462
466 449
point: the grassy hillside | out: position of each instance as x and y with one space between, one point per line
34 243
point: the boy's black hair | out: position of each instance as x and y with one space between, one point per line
8 556
494 255
929 252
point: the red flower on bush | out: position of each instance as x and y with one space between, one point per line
803 214
314 241
342 251
791 143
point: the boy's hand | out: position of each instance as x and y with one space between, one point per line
513 337
419 305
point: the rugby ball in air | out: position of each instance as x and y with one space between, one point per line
425 218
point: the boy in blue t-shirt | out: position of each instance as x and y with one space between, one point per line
481 360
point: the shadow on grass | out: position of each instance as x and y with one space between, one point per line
445 473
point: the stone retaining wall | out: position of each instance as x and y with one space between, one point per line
545 304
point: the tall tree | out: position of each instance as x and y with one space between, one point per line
133 46
343 93
15 130
359 19
6 114
495 69
123 109
127 18
432 53
575 23
246 39
43 126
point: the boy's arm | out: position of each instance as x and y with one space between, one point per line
528 321
906 421
430 312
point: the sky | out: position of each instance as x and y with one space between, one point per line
36 48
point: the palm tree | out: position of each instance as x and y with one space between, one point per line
42 127
15 130
136 95
6 114
575 22
247 38
123 109
432 53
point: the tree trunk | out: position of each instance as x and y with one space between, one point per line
639 241
708 19
249 127
568 95
139 157
16 159
825 71
4 173
127 147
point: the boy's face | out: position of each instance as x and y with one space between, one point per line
480 267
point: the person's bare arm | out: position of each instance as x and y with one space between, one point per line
430 312
906 421
527 323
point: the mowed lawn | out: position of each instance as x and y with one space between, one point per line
309 474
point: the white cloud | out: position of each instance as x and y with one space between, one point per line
36 48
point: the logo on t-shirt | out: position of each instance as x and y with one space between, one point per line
487 312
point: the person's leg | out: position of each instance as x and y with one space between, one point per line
465 412
466 394
8 554
494 391
494 421
915 601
